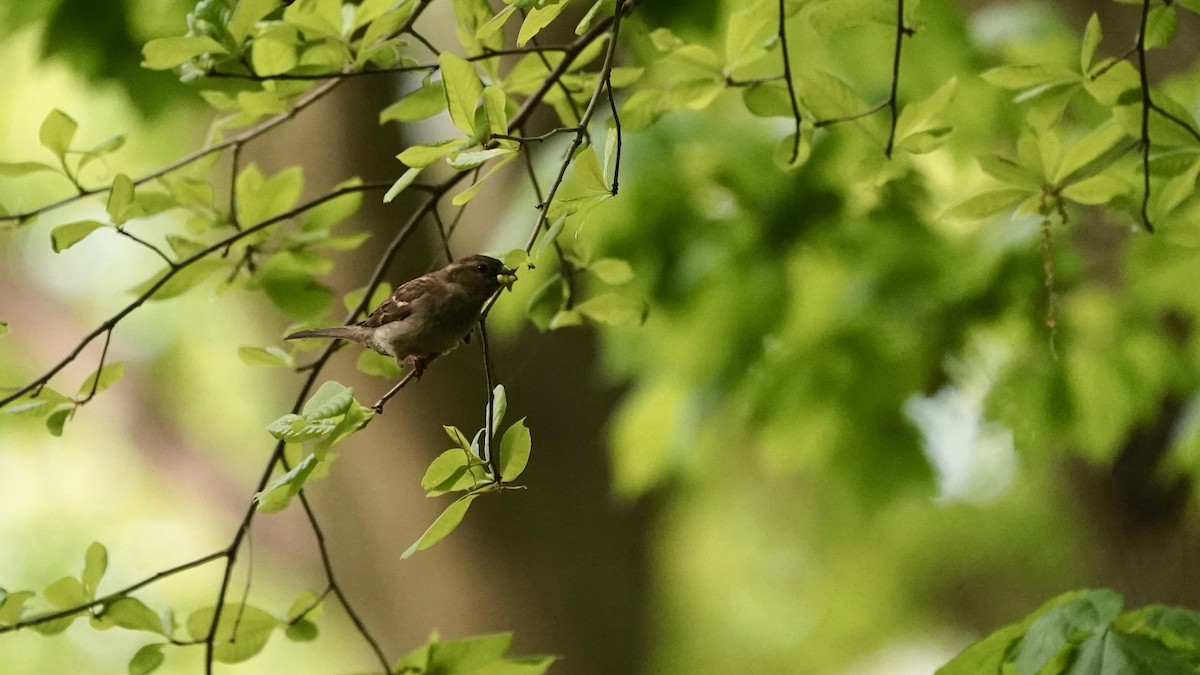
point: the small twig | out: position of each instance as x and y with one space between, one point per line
901 31
787 77
408 377
96 380
730 81
490 456
1113 61
539 138
158 251
1147 103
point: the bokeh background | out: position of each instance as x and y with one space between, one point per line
841 442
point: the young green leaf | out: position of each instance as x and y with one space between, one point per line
1096 190
56 420
1088 149
441 527
181 280
265 356
24 168
514 450
331 399
499 407
419 104
406 179
246 14
537 19
147 659
614 309
166 53
131 614
1092 35
449 472
11 605
65 236
57 131
243 630
103 378
612 271
1161 26
986 204
463 89
120 199
65 593
95 562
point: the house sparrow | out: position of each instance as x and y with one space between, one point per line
426 317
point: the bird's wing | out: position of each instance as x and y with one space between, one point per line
398 305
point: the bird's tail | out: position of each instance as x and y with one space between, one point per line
351 333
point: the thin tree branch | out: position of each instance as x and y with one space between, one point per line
1147 103
787 77
901 31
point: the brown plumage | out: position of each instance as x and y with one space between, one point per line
426 317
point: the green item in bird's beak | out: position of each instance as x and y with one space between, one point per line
507 277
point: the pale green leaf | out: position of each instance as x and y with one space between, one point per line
121 199
419 104
1179 188
1088 149
514 450
65 236
274 52
499 406
919 116
103 378
331 400
66 593
180 280
612 271
265 356
1161 26
131 614
147 659
450 471
1092 35
57 131
614 309
95 563
986 204
537 19
403 182
1008 171
495 102
246 14
463 89
1026 76
301 631
24 168
444 525
334 211
1096 190
166 53
420 156
242 632
11 605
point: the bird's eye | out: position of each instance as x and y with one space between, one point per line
481 268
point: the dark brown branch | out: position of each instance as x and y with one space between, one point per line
145 244
96 380
901 31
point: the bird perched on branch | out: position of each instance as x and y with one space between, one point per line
426 317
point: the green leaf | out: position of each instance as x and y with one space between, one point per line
449 472
260 198
307 604
458 437
469 194
419 104
499 407
57 132
95 562
420 156
103 378
333 211
246 14
274 51
497 22
406 179
265 356
1088 149
1179 188
56 420
919 116
612 271
242 632
24 168
1008 171
614 309
147 659
288 284
276 496
11 605
1161 26
986 204
331 400
1092 35
131 614
465 161
537 19
441 527
121 199
181 281
301 631
468 655
495 102
985 656
1027 76
749 34
1096 190
166 53
514 450
463 89
316 17
1092 612
65 236
65 593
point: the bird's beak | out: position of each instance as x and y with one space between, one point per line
506 277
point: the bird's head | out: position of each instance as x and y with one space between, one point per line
481 273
